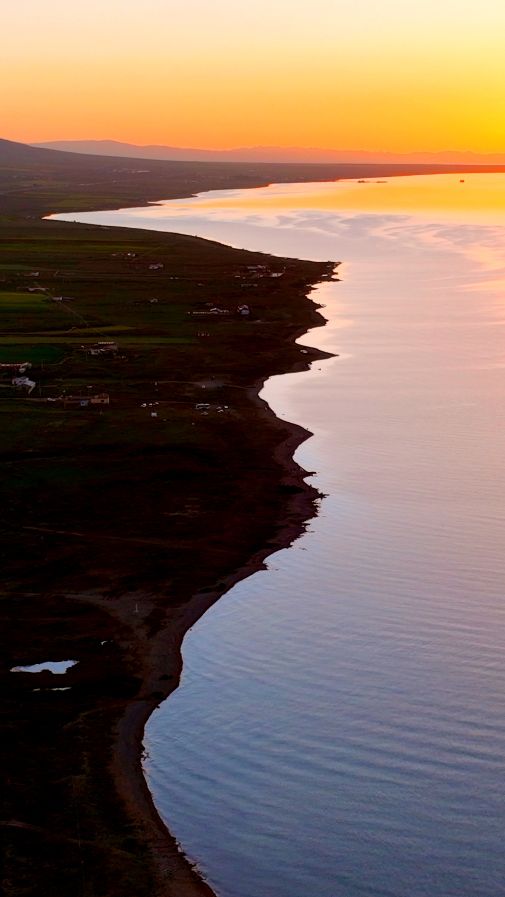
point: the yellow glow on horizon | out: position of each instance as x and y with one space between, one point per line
461 197
319 74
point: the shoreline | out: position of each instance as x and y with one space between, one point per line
95 745
145 622
178 875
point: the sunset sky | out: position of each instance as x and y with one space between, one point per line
398 75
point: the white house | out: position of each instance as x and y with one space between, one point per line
24 383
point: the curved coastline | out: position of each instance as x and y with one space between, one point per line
157 661
121 848
178 875
151 655
160 656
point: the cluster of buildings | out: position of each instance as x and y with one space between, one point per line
15 374
209 311
216 311
18 379
206 407
262 271
102 347
16 370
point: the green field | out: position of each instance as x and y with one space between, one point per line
31 313
37 353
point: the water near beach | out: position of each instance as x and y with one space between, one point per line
340 727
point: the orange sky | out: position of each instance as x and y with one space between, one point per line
397 75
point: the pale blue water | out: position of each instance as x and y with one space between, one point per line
53 666
340 727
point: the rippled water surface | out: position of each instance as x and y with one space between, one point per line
340 727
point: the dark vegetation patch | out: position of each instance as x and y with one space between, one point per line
160 493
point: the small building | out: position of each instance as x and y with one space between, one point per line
79 401
19 366
212 311
24 383
103 347
84 401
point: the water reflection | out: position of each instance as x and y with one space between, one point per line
340 729
472 197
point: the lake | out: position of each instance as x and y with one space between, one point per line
340 726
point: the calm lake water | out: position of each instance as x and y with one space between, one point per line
340 727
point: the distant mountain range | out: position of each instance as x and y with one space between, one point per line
268 154
175 177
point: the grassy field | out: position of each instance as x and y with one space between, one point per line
103 503
31 313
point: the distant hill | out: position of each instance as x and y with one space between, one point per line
269 154
53 180
16 153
